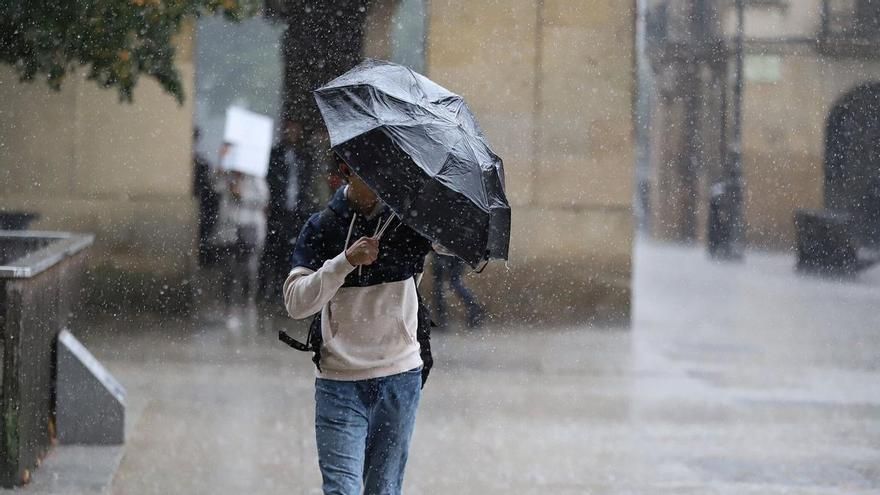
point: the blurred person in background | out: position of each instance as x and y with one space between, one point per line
240 234
449 269
203 191
327 162
288 206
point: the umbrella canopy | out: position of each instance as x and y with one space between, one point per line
418 146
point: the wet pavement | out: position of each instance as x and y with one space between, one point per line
734 379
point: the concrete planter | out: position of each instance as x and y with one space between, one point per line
39 277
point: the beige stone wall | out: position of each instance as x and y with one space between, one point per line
784 126
87 162
377 39
551 83
784 121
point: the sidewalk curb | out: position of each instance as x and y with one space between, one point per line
74 470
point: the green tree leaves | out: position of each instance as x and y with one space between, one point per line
118 40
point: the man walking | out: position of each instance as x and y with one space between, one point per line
357 267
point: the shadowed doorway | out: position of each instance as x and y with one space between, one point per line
852 160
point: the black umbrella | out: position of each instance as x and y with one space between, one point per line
419 148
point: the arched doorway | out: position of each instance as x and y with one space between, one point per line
852 160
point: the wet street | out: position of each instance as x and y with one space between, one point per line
734 379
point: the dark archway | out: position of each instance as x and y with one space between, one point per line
852 160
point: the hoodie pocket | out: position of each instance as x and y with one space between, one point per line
367 327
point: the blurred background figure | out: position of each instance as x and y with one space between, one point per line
449 269
287 181
239 235
203 191
326 163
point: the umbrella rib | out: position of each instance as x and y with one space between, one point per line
378 235
426 108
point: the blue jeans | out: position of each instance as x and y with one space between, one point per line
363 429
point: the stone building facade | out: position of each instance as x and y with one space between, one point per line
551 82
811 70
86 162
552 85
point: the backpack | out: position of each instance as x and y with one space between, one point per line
315 339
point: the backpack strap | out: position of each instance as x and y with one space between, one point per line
314 338
423 335
292 342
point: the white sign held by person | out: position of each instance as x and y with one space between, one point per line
249 135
